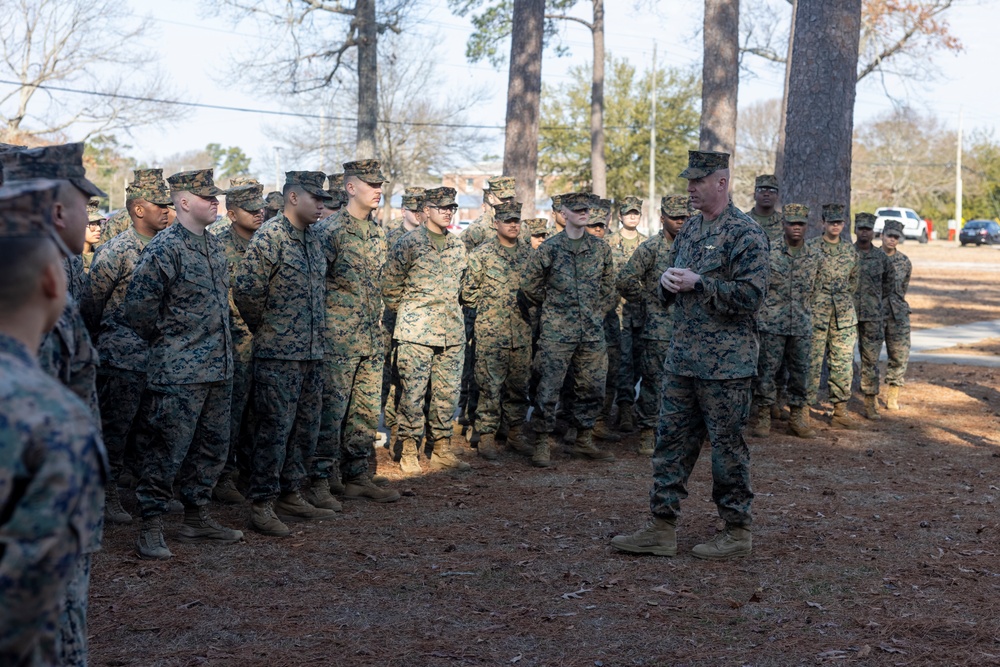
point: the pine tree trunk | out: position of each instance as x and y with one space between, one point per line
720 76
598 165
367 78
819 118
524 92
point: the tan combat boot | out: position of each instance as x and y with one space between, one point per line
409 462
225 490
516 440
626 418
871 407
150 545
841 419
892 397
487 446
265 521
293 506
542 454
569 437
113 505
647 441
602 431
732 542
443 458
318 494
798 423
365 488
775 412
659 538
199 527
763 427
585 448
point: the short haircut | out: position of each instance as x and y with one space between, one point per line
21 263
291 187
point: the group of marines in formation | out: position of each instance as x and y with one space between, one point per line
250 357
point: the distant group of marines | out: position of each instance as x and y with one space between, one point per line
250 357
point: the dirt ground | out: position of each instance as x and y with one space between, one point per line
952 285
871 547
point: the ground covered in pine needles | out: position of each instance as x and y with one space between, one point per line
871 547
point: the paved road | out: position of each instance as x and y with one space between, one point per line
922 340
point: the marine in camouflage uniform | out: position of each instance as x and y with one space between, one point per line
503 335
897 314
625 241
876 280
117 222
245 211
225 221
717 282
54 465
274 203
421 281
121 379
785 323
638 282
354 357
834 319
571 278
338 195
93 237
178 302
765 212
66 352
279 291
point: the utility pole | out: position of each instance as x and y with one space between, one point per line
958 174
322 141
277 168
652 223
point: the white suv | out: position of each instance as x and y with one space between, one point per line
913 225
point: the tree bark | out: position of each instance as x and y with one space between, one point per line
598 165
367 78
720 76
819 118
524 93
779 158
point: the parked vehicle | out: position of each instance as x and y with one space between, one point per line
980 232
914 226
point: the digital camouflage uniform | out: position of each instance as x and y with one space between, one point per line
785 321
631 314
712 357
834 320
355 344
771 224
178 301
876 280
897 319
573 283
118 221
422 284
280 293
503 336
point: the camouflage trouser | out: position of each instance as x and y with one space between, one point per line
630 371
839 343
351 387
468 398
288 397
390 377
589 364
503 375
240 418
188 427
793 352
421 366
119 393
654 353
690 409
71 642
897 348
613 340
870 338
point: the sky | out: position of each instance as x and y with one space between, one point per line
196 52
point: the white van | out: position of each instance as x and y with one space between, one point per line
914 226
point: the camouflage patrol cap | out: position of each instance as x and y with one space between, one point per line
236 181
766 181
335 186
600 208
575 201
556 201
508 210
501 187
413 198
864 221
703 163
674 206
8 148
369 171
893 228
439 197
93 212
310 181
629 204
247 197
538 226
63 162
274 199
148 184
795 213
198 182
26 211
833 213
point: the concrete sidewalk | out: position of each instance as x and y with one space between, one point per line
922 340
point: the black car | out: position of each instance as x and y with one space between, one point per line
980 232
